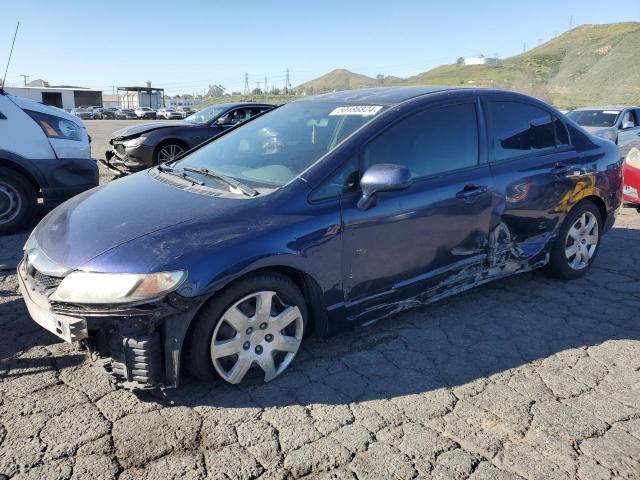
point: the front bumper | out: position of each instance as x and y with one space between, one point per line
67 177
631 189
141 343
128 159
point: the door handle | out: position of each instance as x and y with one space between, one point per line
560 168
470 191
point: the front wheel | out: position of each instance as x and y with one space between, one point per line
253 327
578 242
18 202
168 152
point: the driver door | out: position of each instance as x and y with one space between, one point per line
414 240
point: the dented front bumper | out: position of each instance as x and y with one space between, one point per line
141 343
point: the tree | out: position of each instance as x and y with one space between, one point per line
380 78
236 93
256 91
215 91
460 61
275 91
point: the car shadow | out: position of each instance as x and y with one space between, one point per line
509 324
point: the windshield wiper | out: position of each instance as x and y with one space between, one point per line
246 189
176 173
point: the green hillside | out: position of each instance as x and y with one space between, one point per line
591 64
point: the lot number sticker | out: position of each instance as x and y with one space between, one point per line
362 110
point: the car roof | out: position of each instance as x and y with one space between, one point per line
606 107
383 95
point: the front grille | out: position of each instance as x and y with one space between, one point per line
45 282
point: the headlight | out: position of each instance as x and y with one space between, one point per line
110 288
56 127
134 142
633 158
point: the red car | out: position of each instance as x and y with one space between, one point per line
631 172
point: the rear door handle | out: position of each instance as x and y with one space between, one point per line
470 191
561 168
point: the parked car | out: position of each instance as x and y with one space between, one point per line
145 113
631 171
186 111
325 213
97 112
82 113
125 114
44 153
142 146
168 114
108 113
620 124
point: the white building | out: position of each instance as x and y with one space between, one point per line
133 97
61 97
481 60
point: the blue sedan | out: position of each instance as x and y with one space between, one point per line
326 213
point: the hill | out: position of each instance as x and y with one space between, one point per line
590 64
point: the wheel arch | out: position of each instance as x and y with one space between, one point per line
16 167
598 202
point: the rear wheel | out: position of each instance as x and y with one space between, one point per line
252 329
577 245
18 201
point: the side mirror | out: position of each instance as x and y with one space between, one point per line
382 177
627 124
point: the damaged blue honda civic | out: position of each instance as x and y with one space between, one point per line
325 213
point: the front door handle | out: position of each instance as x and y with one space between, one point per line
470 191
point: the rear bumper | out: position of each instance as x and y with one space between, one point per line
141 344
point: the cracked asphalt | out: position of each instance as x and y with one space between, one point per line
527 377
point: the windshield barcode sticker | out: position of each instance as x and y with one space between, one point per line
362 110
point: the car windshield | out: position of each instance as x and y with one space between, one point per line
594 118
275 148
206 115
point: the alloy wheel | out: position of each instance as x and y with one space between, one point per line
258 330
10 202
582 241
169 153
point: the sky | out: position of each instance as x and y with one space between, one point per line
185 46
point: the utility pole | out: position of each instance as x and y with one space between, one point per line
246 84
570 22
258 85
265 84
287 84
24 77
524 47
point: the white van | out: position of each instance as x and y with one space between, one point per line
44 153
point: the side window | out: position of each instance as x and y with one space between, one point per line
344 179
562 136
629 116
519 128
433 141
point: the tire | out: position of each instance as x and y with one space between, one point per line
18 202
253 345
168 151
563 263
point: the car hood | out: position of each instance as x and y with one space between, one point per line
106 217
135 130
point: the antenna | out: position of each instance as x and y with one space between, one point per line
9 60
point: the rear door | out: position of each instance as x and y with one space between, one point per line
412 241
537 172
